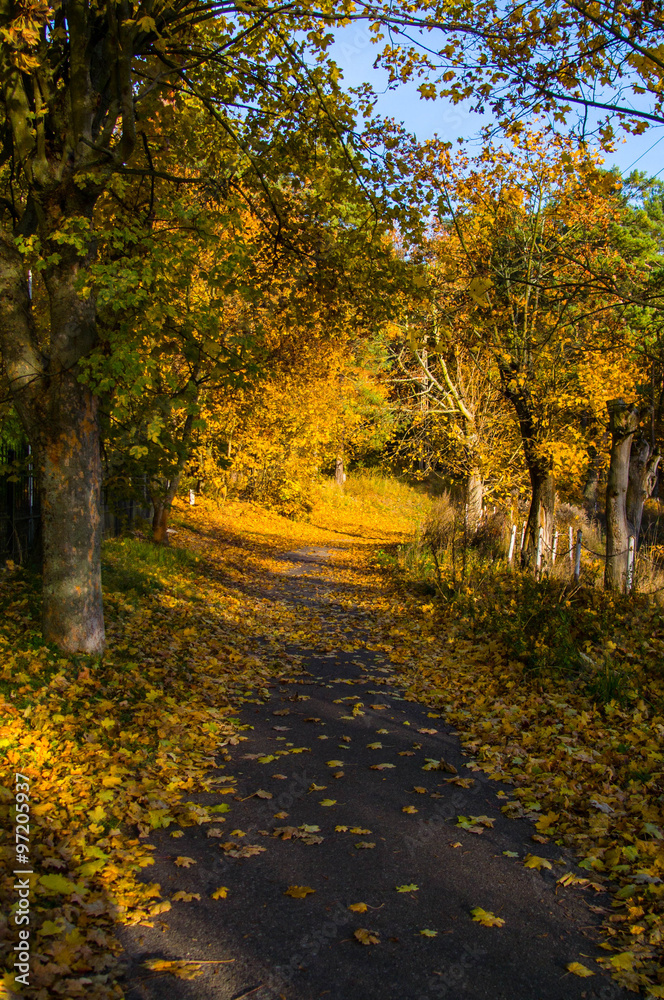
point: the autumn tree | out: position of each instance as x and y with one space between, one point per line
518 233
83 87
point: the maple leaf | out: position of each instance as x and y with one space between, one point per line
533 861
185 897
261 794
364 844
359 830
381 767
420 790
408 809
578 969
220 893
407 888
358 907
429 933
375 746
317 788
334 763
298 891
366 937
486 918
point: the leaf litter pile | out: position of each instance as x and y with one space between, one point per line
117 749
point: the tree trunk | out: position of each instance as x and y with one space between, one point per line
542 481
473 495
163 503
339 474
642 476
592 481
69 458
623 422
541 514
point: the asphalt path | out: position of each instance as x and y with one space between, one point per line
331 795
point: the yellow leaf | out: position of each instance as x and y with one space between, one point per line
185 897
428 933
409 809
358 907
366 937
334 763
50 927
579 970
486 918
220 893
298 891
624 960
328 802
533 861
406 888
185 862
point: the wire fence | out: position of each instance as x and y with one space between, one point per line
635 558
20 512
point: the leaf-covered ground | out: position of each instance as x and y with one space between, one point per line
149 792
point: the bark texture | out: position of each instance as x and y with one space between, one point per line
643 466
70 465
339 473
473 496
623 423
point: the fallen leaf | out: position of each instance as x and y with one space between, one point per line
281 815
381 767
185 897
428 933
327 802
533 861
185 862
420 790
429 732
341 829
375 746
262 794
456 843
298 891
360 830
579 970
358 907
407 888
334 763
366 937
317 788
364 844
220 893
486 918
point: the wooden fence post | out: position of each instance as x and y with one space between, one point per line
631 559
577 560
540 546
512 541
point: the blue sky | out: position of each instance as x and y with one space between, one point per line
354 53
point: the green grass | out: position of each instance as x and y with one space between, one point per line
133 564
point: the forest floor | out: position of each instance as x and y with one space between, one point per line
370 808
